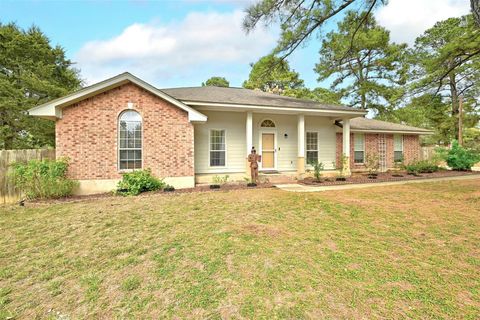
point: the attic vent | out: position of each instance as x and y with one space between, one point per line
267 124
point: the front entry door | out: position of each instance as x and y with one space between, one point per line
268 151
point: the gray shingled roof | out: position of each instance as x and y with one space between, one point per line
371 124
247 97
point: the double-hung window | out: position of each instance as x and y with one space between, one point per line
312 147
218 151
359 148
130 140
398 148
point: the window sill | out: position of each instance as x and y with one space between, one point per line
128 170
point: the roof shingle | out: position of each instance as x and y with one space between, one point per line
361 123
210 94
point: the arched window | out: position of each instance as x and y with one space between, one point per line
130 140
267 124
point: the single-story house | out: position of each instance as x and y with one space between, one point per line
189 135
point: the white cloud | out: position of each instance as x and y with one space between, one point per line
407 19
157 52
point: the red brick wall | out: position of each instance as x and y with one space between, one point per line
87 135
411 148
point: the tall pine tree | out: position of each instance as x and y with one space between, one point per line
367 73
31 72
445 63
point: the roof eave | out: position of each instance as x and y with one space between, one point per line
392 131
53 109
265 108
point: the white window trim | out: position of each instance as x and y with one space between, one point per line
306 147
354 148
270 119
395 150
210 146
118 143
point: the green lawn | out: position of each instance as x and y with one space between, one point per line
409 251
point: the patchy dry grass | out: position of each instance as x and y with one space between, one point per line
407 251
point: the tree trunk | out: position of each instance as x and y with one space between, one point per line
475 5
460 121
454 96
364 101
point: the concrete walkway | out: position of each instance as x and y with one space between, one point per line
294 187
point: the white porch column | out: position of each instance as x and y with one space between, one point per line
346 146
249 132
301 144
248 139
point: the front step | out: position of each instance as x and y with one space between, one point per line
277 177
269 172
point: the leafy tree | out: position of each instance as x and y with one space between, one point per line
426 111
445 64
368 72
272 74
299 20
31 72
216 82
318 94
471 139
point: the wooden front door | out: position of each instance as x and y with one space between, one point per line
268 150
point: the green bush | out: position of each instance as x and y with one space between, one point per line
372 163
42 179
138 181
423 166
317 169
458 157
220 180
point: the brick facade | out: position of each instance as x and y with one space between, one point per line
411 149
87 135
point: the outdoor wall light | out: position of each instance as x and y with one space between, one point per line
286 135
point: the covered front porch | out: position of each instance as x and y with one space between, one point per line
290 143
287 141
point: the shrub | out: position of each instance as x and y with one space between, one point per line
372 164
423 166
219 180
458 157
138 181
169 188
342 166
317 169
42 179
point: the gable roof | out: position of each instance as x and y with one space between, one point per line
247 97
361 124
185 98
53 109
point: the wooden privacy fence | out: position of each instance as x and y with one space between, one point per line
8 192
427 153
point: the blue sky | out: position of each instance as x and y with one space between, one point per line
182 43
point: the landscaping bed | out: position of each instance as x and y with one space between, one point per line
200 188
358 178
